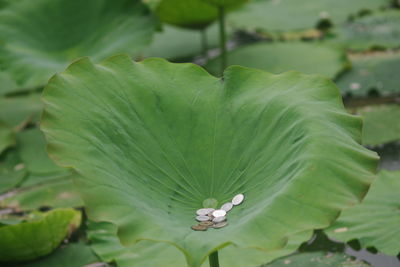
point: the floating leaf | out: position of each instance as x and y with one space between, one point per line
7 137
272 16
380 30
12 171
20 109
280 57
174 43
42 37
192 14
318 259
71 255
375 222
381 124
155 139
38 237
376 71
31 149
55 191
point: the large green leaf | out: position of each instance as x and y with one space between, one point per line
194 14
318 259
381 124
295 15
380 30
154 139
376 71
71 255
18 110
38 237
375 222
278 57
41 37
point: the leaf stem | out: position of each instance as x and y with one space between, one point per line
213 258
222 37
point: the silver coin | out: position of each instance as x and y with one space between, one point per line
218 213
202 218
220 224
227 206
219 219
238 199
199 227
202 212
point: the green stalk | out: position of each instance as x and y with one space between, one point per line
214 262
222 37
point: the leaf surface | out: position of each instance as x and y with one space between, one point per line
156 139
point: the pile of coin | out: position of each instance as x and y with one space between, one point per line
212 218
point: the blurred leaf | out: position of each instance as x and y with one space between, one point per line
297 15
193 14
31 149
176 43
152 140
17 110
318 259
312 58
377 71
380 30
375 222
38 237
226 3
42 37
12 171
7 84
381 124
7 137
56 191
71 255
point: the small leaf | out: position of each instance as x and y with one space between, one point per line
12 171
280 57
376 71
192 14
7 137
153 140
374 222
32 239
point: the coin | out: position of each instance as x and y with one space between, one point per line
202 212
238 199
206 223
220 224
219 219
199 227
227 206
219 213
202 218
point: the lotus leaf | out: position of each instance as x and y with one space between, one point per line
37 237
380 30
374 222
376 71
18 110
279 57
153 140
41 37
192 14
272 16
12 171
